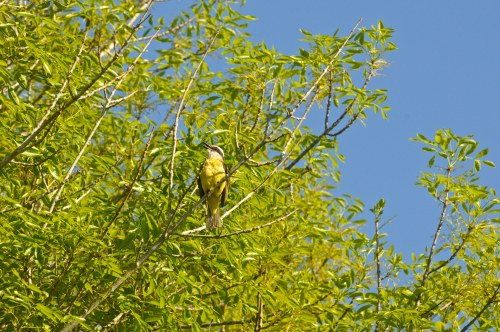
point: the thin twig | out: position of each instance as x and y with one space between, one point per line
227 323
329 101
258 318
270 107
445 202
243 231
378 214
176 123
38 163
259 111
75 162
455 252
346 310
297 127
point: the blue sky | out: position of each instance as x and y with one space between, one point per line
445 74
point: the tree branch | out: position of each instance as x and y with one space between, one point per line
177 116
258 318
243 231
378 213
455 252
425 275
226 323
75 162
486 305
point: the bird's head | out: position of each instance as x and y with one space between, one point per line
213 150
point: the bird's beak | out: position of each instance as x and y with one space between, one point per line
207 146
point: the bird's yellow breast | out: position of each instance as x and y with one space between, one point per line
211 173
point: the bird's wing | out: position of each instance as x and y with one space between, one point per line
225 192
200 187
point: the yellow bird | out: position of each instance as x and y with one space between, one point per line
213 170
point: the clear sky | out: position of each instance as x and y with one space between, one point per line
445 74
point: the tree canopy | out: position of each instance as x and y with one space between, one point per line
104 107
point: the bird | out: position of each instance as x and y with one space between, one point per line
213 170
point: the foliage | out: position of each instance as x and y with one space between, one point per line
103 109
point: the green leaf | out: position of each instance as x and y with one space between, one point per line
477 165
488 163
481 153
305 32
431 162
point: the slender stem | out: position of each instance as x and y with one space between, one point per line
75 162
258 318
176 123
427 270
243 231
227 323
377 260
455 252
329 102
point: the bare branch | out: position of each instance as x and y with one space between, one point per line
243 231
329 102
425 275
226 323
114 102
258 318
270 107
254 163
115 320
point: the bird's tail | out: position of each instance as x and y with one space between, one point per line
213 219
